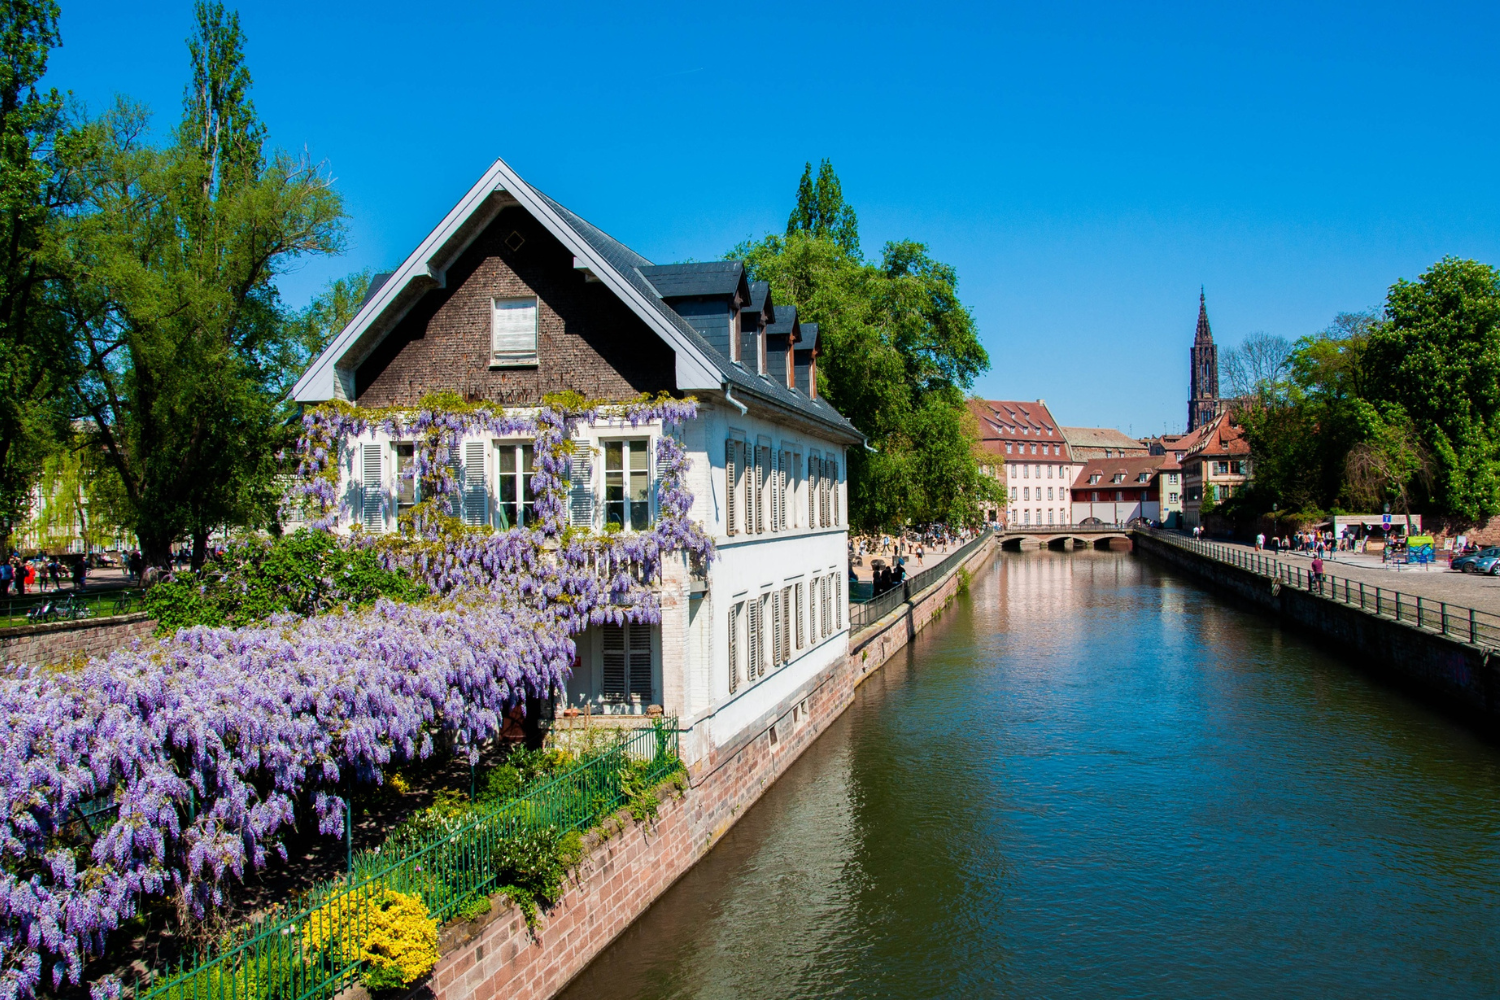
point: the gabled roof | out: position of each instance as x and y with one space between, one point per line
1221 437
784 323
1002 420
760 298
1108 468
714 277
1101 437
699 365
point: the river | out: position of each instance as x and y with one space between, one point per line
1092 778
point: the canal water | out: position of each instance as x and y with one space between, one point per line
1093 779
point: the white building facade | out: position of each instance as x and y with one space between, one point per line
513 297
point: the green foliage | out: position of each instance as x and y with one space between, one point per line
532 866
899 352
36 190
180 343
1401 408
522 768
304 573
474 908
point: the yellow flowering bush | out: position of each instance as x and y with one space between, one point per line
390 931
400 944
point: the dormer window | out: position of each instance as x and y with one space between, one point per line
513 332
1143 477
1095 477
1119 477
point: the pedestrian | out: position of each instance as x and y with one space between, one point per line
18 575
1317 572
1260 542
5 574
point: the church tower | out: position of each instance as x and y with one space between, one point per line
1203 386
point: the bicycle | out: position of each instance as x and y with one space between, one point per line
124 603
46 611
75 609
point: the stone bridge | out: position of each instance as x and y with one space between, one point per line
1058 536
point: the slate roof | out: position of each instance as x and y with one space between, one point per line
629 265
675 281
786 318
760 291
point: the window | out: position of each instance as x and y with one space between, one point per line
1171 498
1049 471
516 496
797 607
1238 468
1172 478
1027 516
513 331
1119 496
1221 468
1095 477
786 624
372 499
1143 477
736 644
1007 447
838 602
1012 469
1026 494
406 478
627 663
764 651
1049 515
1049 493
626 479
754 662
1119 477
762 484
733 469
1095 496
580 486
1015 492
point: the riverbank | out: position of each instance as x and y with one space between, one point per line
1094 778
622 876
1433 656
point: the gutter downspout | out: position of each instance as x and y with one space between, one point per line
744 410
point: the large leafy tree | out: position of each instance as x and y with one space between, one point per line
1437 356
181 341
900 352
34 188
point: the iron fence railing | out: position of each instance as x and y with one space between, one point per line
311 949
1454 620
53 606
865 613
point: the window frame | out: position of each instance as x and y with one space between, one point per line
628 521
515 358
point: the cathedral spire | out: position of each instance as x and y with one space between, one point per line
1204 334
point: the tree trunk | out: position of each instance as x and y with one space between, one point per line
200 548
156 550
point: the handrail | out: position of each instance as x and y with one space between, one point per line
863 614
1471 625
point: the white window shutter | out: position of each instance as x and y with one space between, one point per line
801 635
476 499
640 662
775 630
581 487
614 662
372 492
734 647
731 462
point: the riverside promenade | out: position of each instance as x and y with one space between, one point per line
1433 583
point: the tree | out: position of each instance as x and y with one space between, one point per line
33 189
822 211
180 338
1389 460
1257 367
899 354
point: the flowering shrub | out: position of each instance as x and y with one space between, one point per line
390 931
213 740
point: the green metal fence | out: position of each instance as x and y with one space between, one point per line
310 950
53 606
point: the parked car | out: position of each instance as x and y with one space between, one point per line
1470 563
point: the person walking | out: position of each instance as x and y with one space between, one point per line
5 574
1316 579
1260 542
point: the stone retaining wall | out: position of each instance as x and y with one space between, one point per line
56 642
622 875
1462 677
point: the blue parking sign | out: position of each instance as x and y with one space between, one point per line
1385 521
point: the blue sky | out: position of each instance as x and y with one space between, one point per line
1084 166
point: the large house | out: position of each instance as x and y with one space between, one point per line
1118 490
512 297
1215 465
1102 442
1026 449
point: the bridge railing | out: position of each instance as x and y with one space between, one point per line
866 613
1456 621
1061 529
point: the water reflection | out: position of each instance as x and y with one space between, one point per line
1092 779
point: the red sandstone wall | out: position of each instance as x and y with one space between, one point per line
497 956
41 645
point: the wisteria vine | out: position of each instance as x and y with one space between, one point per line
213 741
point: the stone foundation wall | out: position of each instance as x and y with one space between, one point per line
624 874
56 642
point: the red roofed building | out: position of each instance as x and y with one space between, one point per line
1215 465
1031 457
1118 490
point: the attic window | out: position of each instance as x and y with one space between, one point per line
515 241
513 332
1143 477
1095 477
1119 477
